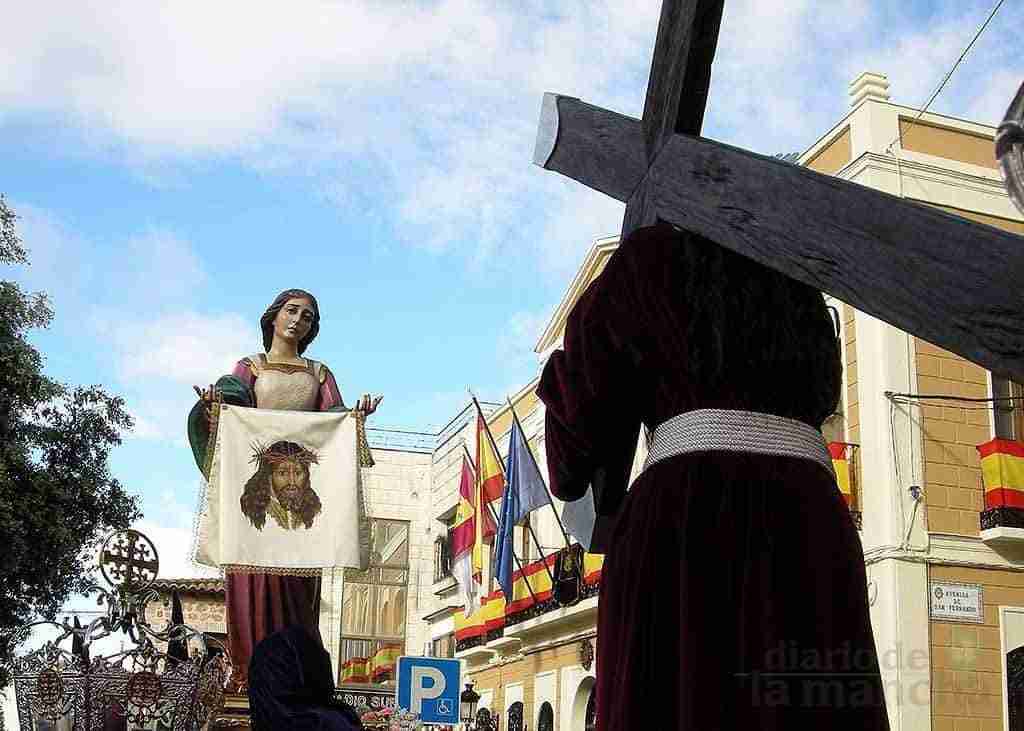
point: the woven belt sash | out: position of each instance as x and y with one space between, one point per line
728 430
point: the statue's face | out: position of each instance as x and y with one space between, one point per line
294 320
289 478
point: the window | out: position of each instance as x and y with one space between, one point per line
443 646
374 608
1008 415
591 715
443 556
515 717
546 718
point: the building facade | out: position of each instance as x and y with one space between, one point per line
940 545
942 530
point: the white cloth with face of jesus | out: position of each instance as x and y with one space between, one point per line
283 492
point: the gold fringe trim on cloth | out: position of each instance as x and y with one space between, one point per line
270 570
211 441
362 445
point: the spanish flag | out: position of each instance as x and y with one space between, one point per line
465 546
1002 471
490 484
841 465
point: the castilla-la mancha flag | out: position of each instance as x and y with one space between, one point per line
284 492
463 540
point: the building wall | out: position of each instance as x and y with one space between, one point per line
202 612
950 144
834 156
967 681
952 431
553 675
949 164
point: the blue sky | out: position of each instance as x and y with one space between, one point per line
176 165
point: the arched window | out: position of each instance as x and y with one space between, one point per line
591 722
1015 688
546 718
484 720
515 717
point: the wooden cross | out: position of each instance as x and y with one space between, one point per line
957 284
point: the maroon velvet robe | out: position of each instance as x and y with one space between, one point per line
733 590
258 605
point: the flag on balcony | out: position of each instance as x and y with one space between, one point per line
464 543
1002 470
490 483
525 491
841 465
490 472
580 517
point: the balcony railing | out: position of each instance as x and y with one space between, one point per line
498 612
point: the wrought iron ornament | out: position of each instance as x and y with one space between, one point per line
128 561
1010 149
586 653
143 683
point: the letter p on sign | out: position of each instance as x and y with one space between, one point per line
427 684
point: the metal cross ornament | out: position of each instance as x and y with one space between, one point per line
129 560
952 282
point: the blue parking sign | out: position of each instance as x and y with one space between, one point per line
429 686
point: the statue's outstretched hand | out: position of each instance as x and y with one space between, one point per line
368 404
206 397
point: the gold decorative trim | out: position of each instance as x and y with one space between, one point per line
287 368
211 441
270 570
362 445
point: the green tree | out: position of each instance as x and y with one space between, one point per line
57 495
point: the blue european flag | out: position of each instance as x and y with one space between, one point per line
524 491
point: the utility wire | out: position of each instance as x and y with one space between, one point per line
949 75
962 56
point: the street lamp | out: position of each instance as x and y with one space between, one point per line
467 707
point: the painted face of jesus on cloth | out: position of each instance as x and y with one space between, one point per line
281 487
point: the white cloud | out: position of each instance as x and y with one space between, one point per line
183 348
174 547
134 298
161 358
436 104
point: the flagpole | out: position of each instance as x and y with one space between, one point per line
533 459
504 474
519 564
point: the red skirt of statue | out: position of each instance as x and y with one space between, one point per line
258 605
733 593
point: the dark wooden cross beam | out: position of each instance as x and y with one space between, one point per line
957 284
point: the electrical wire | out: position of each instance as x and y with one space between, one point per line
949 75
970 45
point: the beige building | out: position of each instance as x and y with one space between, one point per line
945 594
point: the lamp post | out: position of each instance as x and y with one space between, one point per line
467 705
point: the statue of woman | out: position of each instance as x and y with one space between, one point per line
259 604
